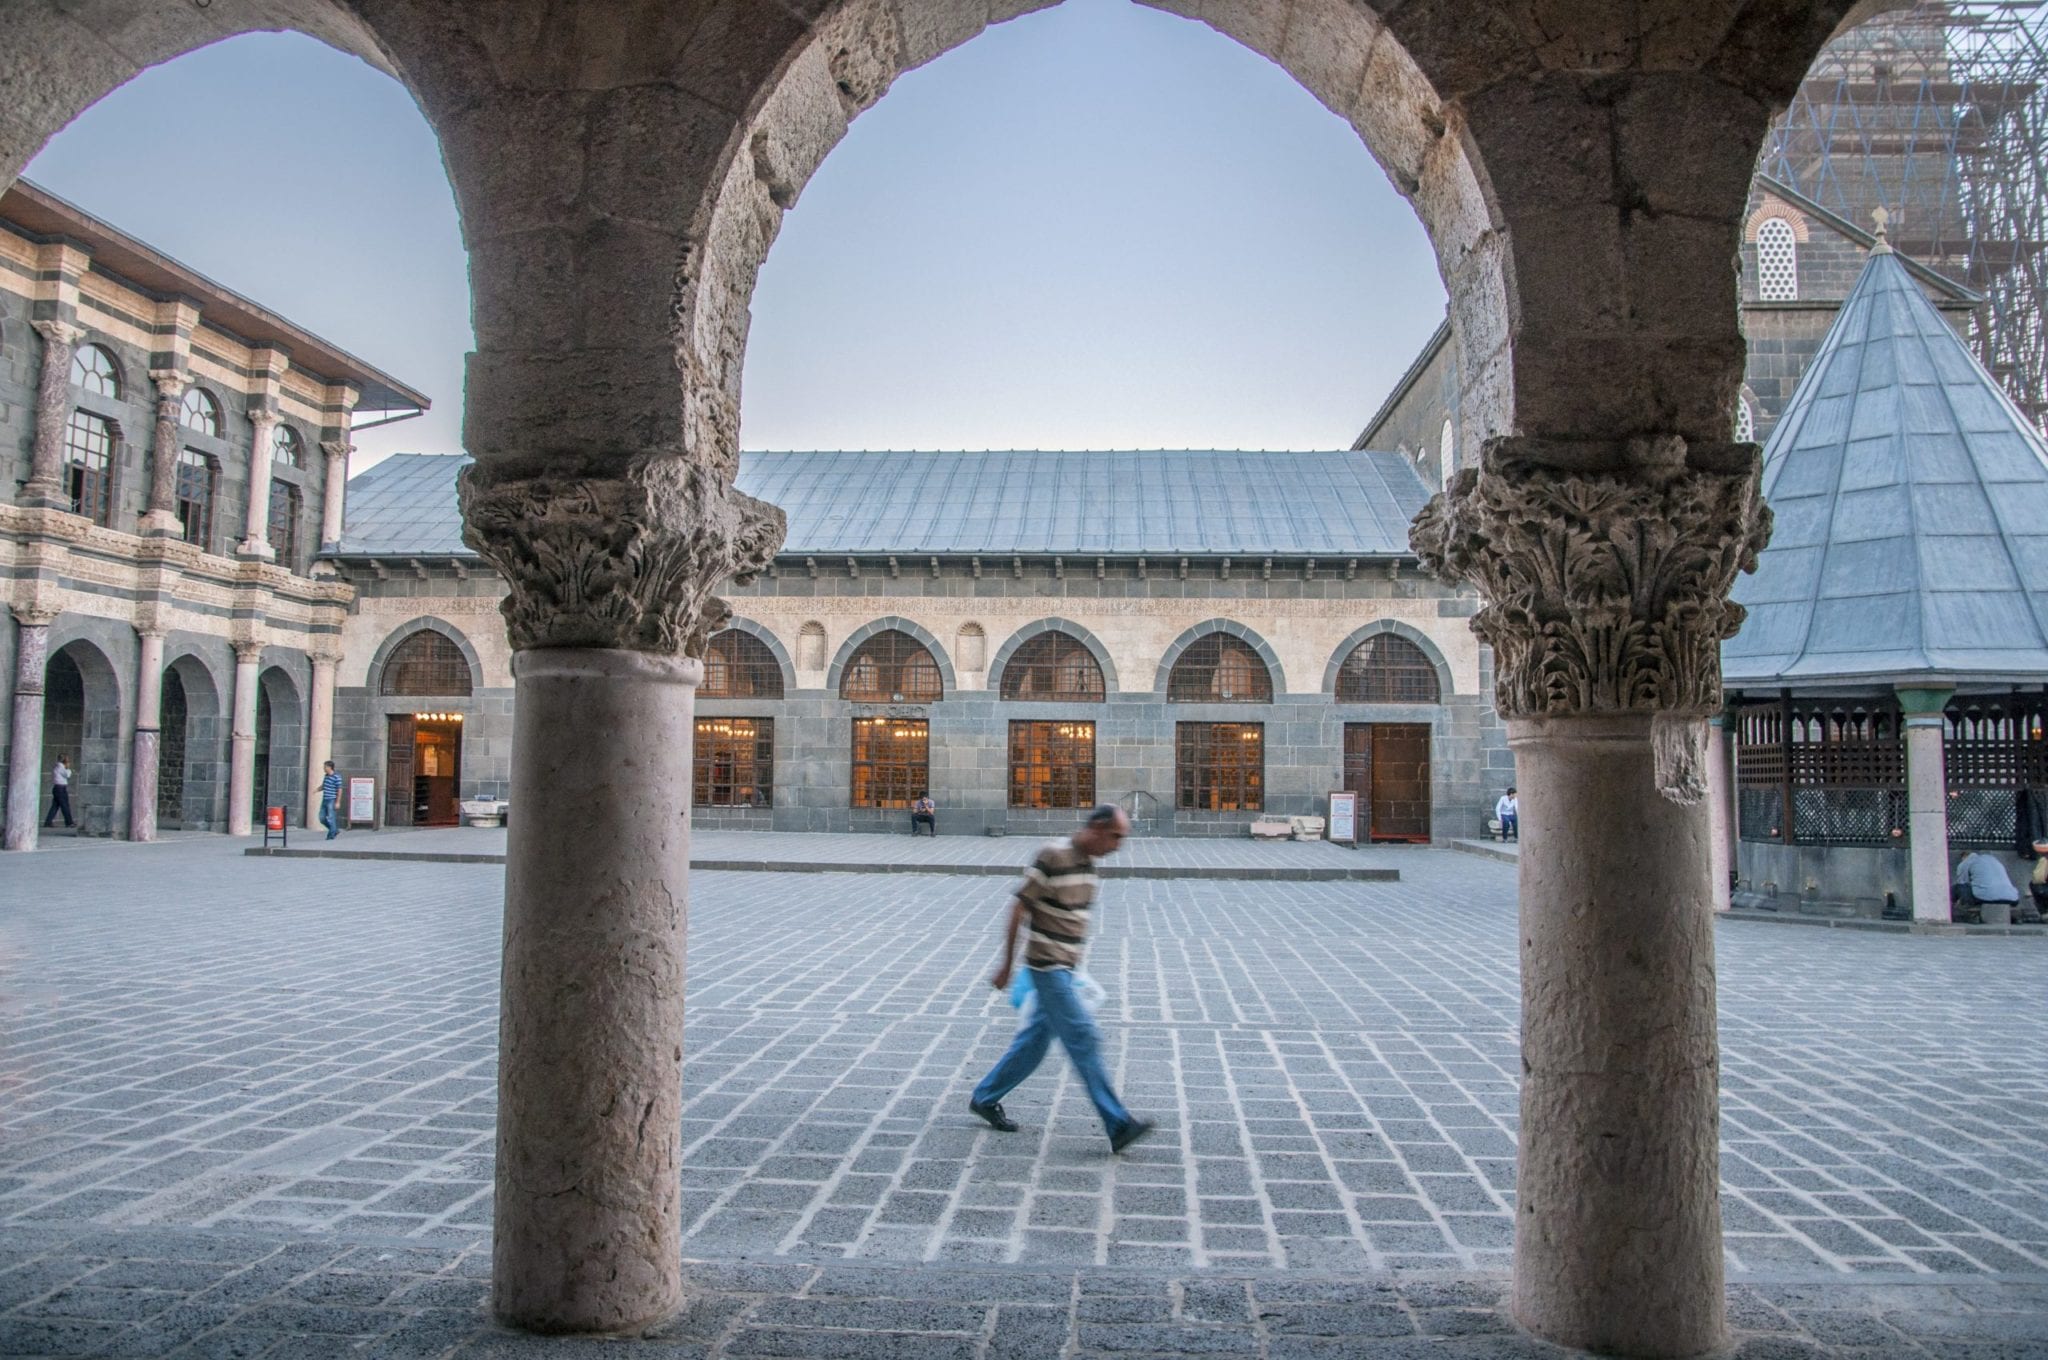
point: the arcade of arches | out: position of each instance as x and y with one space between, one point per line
1582 170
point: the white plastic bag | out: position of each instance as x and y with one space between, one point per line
1024 997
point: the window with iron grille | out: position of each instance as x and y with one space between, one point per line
89 466
284 523
1387 669
1219 767
200 411
198 480
427 663
738 665
1821 772
890 761
93 369
1053 666
286 447
1219 669
1052 764
1745 421
892 667
1777 261
734 763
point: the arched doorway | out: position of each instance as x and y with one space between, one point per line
423 748
279 777
173 716
82 724
1387 754
191 760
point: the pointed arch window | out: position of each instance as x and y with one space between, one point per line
1777 261
1745 421
286 447
1446 452
200 411
1387 669
892 667
89 466
1220 669
93 369
427 663
738 665
1053 666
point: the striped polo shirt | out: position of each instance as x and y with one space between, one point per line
1058 891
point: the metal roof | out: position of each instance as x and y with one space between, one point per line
1911 499
1193 503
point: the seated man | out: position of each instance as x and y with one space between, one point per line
925 813
1980 881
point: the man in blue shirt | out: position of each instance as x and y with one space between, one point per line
330 794
1980 880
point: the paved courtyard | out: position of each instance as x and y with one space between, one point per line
224 1069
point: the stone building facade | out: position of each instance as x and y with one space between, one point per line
875 547
175 457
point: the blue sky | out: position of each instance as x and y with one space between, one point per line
1097 226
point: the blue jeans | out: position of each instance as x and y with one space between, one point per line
1507 827
1059 1014
327 818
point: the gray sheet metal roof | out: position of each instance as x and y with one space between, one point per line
1204 503
1912 512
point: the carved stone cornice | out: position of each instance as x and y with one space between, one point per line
626 558
1604 591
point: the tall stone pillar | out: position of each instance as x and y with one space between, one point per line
1927 801
149 702
334 491
45 484
610 584
242 740
256 540
1605 604
320 732
161 518
25 737
1721 806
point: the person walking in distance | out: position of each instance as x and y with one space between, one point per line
1054 906
60 793
330 798
1508 812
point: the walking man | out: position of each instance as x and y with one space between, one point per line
330 795
1508 812
60 793
1054 906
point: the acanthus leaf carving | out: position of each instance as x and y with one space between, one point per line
1603 591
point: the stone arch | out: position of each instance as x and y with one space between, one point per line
1051 625
192 742
374 677
96 344
84 708
1234 629
1446 690
766 636
902 625
280 760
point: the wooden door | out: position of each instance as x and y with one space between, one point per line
437 773
398 744
1399 779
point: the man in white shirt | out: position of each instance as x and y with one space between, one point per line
1509 812
60 794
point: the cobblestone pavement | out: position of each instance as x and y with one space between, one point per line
207 1053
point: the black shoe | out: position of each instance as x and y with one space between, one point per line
993 1113
1131 1134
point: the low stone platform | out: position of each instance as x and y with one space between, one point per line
136 1292
997 856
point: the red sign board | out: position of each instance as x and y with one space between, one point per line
273 818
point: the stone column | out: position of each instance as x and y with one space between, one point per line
25 739
1927 801
1605 604
610 582
161 518
45 485
242 741
320 733
256 540
333 492
149 702
1721 806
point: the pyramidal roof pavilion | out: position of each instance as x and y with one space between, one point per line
1911 497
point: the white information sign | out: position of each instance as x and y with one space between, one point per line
1343 822
362 801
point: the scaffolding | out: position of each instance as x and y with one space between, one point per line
1939 115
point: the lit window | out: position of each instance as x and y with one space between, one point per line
1052 764
1777 262
93 369
890 762
738 665
89 466
198 479
1220 669
1386 669
427 663
1053 666
1220 767
200 412
734 762
284 523
892 667
286 447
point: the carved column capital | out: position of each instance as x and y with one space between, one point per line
170 383
247 653
35 615
262 419
624 558
337 450
62 334
1603 591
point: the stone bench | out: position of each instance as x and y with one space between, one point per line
1269 829
486 811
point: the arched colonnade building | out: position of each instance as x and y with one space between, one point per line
1582 170
975 627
